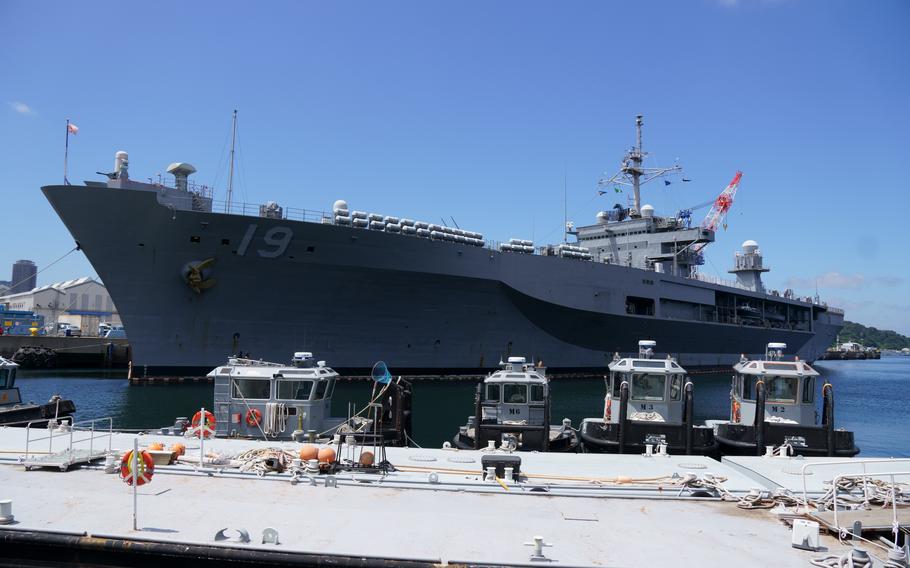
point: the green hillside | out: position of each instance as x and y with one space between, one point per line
872 337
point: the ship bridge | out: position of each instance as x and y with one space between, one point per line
662 244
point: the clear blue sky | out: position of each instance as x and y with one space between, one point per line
476 109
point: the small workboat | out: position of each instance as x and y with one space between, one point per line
13 412
512 408
773 405
275 401
654 410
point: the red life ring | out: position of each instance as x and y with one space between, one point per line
253 417
735 411
608 408
205 429
145 471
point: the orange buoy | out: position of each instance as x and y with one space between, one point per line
253 417
309 452
156 446
204 424
178 448
326 455
145 470
367 459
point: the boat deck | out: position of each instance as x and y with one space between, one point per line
595 509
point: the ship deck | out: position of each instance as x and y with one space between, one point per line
595 510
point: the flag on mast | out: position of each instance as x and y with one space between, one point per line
70 129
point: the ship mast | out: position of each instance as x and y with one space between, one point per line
631 172
230 188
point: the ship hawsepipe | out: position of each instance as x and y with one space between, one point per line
357 295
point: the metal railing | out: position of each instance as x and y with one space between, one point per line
894 496
254 209
851 461
69 434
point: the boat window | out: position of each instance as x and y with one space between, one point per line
781 388
294 390
808 390
748 383
515 394
321 387
492 393
675 387
251 388
648 386
617 382
4 374
650 364
331 389
536 393
780 366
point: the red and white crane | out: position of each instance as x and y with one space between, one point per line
722 204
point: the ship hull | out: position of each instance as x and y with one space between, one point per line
354 296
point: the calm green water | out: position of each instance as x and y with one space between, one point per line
872 398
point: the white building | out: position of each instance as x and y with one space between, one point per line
83 302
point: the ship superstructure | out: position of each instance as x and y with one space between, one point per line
196 280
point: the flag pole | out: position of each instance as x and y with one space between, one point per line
66 152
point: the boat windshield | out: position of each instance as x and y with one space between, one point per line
536 393
492 393
5 376
782 389
778 389
294 390
251 388
515 393
648 386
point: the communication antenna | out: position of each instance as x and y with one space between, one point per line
632 173
230 188
565 204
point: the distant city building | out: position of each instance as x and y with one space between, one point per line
25 276
83 302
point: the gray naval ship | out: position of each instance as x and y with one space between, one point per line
196 280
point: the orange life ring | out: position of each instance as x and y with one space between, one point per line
253 417
205 429
145 471
735 411
608 408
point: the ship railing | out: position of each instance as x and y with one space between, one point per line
69 431
286 213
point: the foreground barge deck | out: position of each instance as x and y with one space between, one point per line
595 510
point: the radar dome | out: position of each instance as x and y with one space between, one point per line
750 246
602 217
647 211
341 204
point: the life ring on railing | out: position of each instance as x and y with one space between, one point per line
204 428
735 411
144 472
253 417
608 407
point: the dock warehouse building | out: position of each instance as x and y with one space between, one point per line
83 302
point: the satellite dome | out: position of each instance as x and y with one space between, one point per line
341 204
602 217
647 211
750 246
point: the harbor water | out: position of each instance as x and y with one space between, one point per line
871 399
